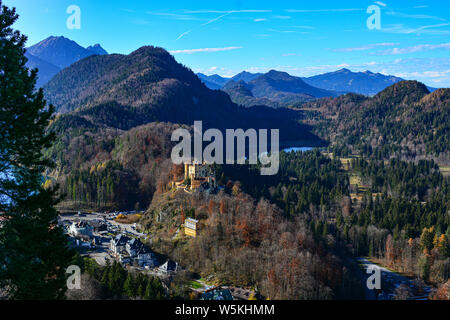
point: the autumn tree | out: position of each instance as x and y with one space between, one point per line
427 239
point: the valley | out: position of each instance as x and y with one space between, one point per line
373 188
362 178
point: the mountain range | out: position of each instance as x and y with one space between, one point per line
338 82
56 53
273 88
148 85
346 81
218 82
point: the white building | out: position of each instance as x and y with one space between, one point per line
131 251
169 267
81 228
118 244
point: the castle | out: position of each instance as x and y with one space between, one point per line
200 175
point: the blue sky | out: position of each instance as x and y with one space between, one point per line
300 37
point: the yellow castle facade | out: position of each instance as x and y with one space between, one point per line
199 174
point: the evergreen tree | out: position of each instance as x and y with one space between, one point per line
129 287
158 289
141 284
154 289
117 276
149 292
33 249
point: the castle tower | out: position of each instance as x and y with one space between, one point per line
186 170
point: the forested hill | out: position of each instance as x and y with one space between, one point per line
405 119
125 91
116 114
274 88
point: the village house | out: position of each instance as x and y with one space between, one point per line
99 226
190 227
130 251
118 244
169 267
133 246
82 228
146 258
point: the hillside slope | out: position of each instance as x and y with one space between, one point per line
46 69
213 82
404 119
278 87
125 91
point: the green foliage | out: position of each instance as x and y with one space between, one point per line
414 196
104 187
400 178
426 239
304 179
33 250
129 286
154 289
404 119
117 282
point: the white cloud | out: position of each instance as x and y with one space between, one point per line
225 13
324 10
173 15
380 3
413 49
259 20
366 47
190 51
288 31
413 16
299 27
400 28
183 34
221 11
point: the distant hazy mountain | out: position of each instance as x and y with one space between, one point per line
55 53
62 52
278 87
245 76
338 82
46 69
214 81
346 81
97 49
217 82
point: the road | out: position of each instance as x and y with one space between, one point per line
390 279
101 217
100 254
